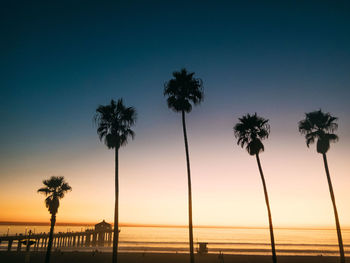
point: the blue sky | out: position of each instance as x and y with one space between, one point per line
64 59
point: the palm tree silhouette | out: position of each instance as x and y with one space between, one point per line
321 126
183 91
55 189
250 131
114 123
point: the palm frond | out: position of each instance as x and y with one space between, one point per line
44 190
319 126
55 189
332 137
114 123
250 130
183 91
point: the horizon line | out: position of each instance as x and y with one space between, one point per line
42 223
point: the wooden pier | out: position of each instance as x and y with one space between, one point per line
101 236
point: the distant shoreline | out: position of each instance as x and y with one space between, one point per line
23 223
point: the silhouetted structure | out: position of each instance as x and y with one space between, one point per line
114 123
103 226
202 248
55 189
183 91
102 229
101 236
250 131
321 126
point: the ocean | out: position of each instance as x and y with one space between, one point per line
289 241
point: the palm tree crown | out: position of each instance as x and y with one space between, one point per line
250 131
114 123
183 90
319 126
55 189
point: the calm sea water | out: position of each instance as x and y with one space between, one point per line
225 240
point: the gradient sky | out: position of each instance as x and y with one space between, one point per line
59 61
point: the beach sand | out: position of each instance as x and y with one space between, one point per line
87 257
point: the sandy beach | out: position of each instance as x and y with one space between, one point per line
87 257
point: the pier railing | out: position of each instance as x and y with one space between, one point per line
88 238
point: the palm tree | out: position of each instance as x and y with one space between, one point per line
55 189
182 91
321 126
250 131
114 123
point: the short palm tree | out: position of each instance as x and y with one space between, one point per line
55 189
320 127
114 123
250 131
182 92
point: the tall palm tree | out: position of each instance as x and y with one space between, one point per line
182 92
114 123
250 131
319 126
55 188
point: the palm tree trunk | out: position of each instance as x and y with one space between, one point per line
340 239
274 258
49 245
190 226
116 212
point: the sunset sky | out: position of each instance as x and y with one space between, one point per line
58 63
